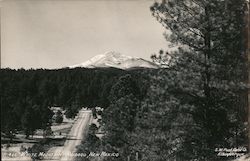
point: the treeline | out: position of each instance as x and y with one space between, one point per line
26 95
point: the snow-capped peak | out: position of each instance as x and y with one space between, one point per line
116 60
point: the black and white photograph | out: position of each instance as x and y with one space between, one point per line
125 80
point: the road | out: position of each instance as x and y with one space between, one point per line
74 138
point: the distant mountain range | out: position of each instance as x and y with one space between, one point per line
116 60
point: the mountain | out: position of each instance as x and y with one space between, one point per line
116 60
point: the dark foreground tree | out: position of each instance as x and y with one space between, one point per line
196 104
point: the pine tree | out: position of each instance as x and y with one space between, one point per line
27 120
119 117
59 117
200 93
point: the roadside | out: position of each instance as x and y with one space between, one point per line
19 147
74 138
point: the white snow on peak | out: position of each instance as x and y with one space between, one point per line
116 60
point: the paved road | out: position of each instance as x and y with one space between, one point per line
74 138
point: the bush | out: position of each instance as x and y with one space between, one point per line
59 119
70 113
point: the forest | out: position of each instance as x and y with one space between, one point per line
27 95
195 103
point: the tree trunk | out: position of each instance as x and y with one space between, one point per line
247 51
248 56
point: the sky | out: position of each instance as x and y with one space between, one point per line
59 33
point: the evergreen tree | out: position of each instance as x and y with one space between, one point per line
199 93
27 121
119 117
59 117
